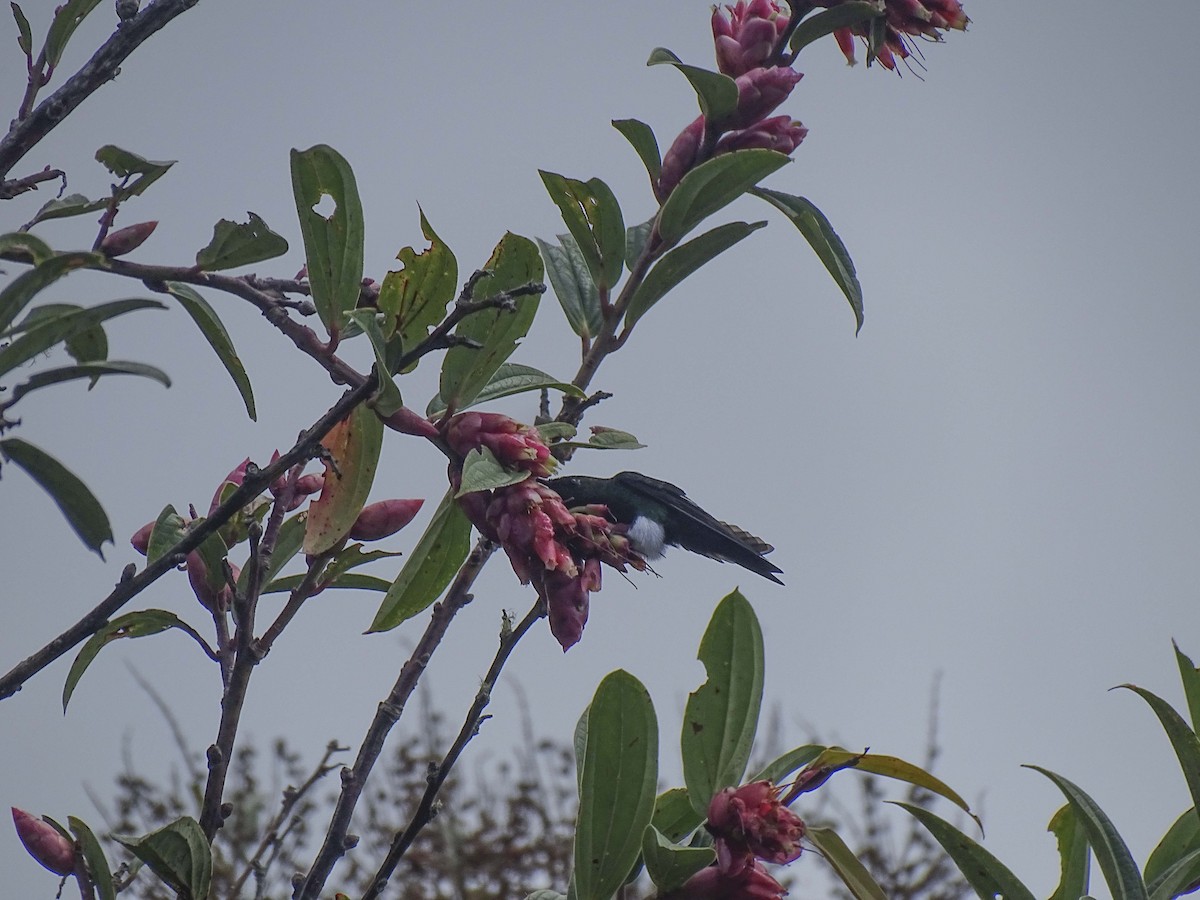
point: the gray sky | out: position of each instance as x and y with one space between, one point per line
995 481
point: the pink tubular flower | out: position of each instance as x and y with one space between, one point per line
905 19
527 519
781 133
750 822
750 883
514 445
760 91
567 599
44 843
383 519
679 158
746 34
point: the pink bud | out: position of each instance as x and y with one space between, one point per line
679 158
44 843
197 573
126 240
383 519
235 477
141 538
780 133
406 421
760 91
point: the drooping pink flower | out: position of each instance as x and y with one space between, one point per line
906 19
746 34
44 842
750 883
750 822
781 133
383 519
567 600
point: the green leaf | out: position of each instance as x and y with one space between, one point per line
815 228
93 854
892 767
213 553
1190 676
88 370
430 567
89 345
555 431
356 581
593 217
57 329
573 286
546 895
169 529
1181 840
234 245
466 370
386 399
214 332
847 866
1074 855
607 439
179 854
616 795
681 262
354 445
1179 879
986 874
22 289
66 19
125 164
717 93
142 623
510 378
415 297
1183 739
579 745
670 865
287 544
333 246
80 507
713 185
24 35
721 715
64 207
483 472
635 240
783 766
21 241
641 136
830 20
674 816
1120 871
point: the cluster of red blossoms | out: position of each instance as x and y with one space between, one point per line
557 550
749 825
905 19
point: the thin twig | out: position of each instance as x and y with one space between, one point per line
16 186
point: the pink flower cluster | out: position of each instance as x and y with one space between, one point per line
905 19
557 550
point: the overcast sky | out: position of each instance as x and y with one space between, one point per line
995 481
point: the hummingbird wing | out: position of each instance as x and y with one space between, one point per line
690 527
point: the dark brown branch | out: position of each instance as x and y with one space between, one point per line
509 638
16 186
97 71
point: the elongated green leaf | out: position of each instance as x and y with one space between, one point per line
90 370
1190 676
510 378
1183 739
333 245
1074 854
287 545
783 766
593 216
429 568
1181 840
125 164
1183 877
669 864
483 472
674 816
815 228
1120 871
93 854
82 510
354 445
142 623
24 35
712 186
22 289
828 21
847 866
355 581
415 297
234 244
65 207
57 329
466 370
387 398
573 286
641 136
66 19
987 875
721 715
616 795
893 767
39 251
214 332
717 93
681 262
177 853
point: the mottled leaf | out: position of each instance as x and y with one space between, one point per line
713 185
1074 855
234 244
214 332
21 241
593 216
353 445
415 297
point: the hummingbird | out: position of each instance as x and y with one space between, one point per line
657 514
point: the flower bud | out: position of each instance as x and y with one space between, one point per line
45 843
141 538
746 34
566 599
749 821
235 477
383 519
126 240
781 133
679 158
406 421
760 91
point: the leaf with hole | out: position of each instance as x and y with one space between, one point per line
593 216
415 297
235 244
